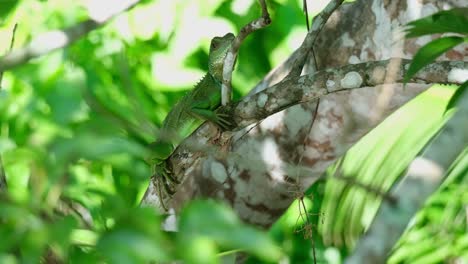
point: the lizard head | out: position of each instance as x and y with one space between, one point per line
218 50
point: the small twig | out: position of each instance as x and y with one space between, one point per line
12 43
293 65
310 232
67 206
3 182
309 41
13 34
229 61
306 12
56 39
307 225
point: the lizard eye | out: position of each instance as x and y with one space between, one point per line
214 44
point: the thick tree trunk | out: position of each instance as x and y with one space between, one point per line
258 169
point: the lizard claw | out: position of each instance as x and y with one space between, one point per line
167 188
223 120
165 177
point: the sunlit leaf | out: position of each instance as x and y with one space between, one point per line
429 53
209 220
135 238
454 99
454 20
6 6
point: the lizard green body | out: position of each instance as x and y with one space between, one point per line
190 112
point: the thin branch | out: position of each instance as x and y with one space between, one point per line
293 65
306 12
319 22
293 91
12 43
57 39
3 182
229 61
424 176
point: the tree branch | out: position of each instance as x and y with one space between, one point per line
56 39
293 91
230 60
424 176
255 108
293 65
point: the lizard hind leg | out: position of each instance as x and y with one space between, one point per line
163 180
160 196
161 169
165 177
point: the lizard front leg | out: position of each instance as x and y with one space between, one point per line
217 118
207 110
161 171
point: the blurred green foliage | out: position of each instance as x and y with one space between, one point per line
454 20
74 126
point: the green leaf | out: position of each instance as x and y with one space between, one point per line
7 259
214 224
83 237
6 6
430 52
454 99
129 246
135 238
454 20
378 160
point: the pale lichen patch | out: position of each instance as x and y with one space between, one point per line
457 75
296 119
330 84
353 59
273 121
271 158
218 172
351 80
262 99
406 66
347 41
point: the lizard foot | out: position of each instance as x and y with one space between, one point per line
224 119
165 177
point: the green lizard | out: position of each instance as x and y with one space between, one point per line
190 112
